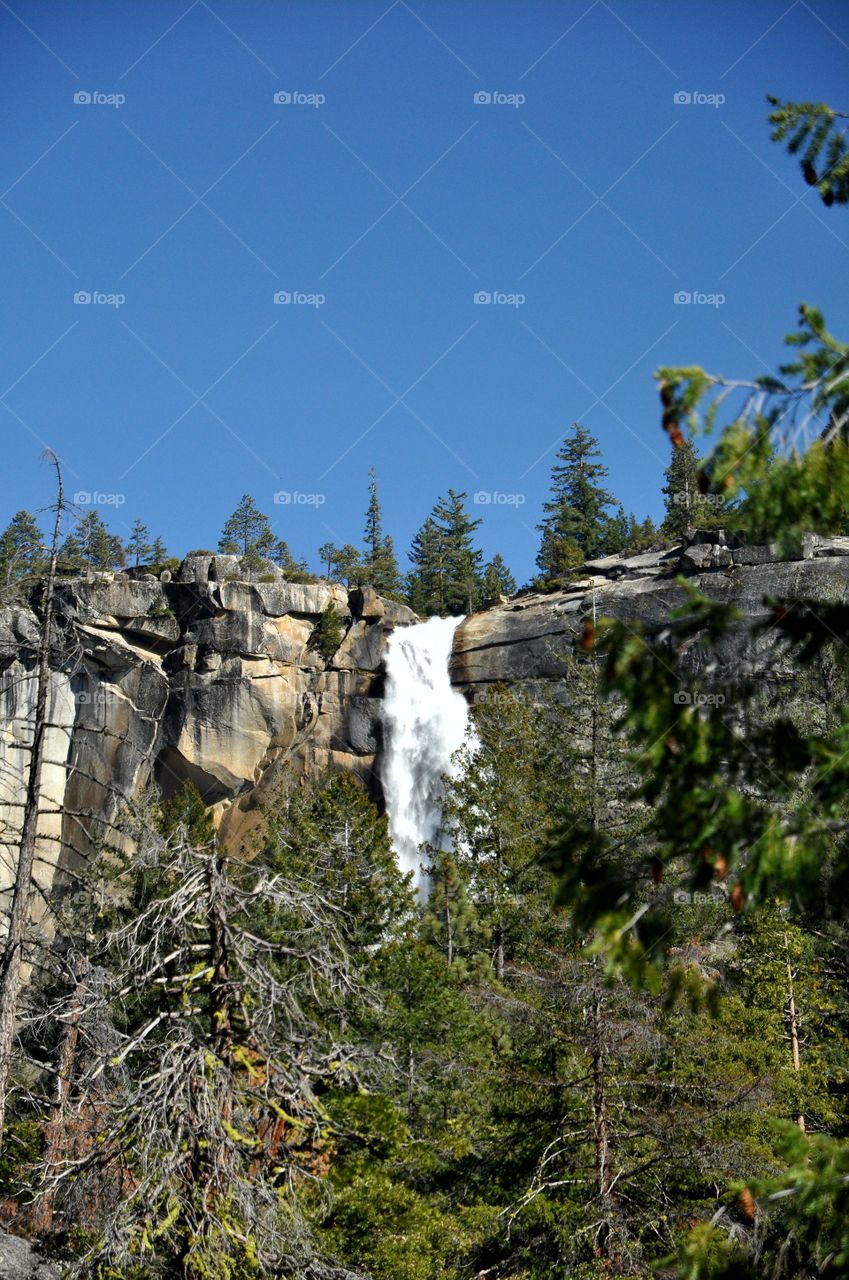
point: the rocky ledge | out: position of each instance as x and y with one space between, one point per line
528 637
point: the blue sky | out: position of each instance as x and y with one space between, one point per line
398 198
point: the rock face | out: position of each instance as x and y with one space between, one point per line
213 678
19 1261
204 677
528 637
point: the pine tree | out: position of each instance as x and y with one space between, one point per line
825 158
93 543
681 491
139 546
497 580
463 558
576 519
22 556
446 573
380 566
158 551
329 632
426 581
247 533
283 558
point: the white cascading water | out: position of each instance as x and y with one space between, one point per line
424 724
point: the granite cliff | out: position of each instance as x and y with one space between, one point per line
209 677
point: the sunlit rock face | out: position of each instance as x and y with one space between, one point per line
206 677
216 679
527 638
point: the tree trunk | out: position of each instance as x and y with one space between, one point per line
55 1131
601 1129
19 915
793 1024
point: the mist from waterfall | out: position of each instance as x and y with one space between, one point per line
424 724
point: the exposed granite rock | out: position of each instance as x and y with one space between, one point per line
208 677
215 679
19 1261
527 638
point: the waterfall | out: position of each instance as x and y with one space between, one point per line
425 722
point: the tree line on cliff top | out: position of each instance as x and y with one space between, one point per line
448 573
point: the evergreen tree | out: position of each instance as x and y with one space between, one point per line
446 573
426 580
282 556
576 525
139 545
91 546
380 566
158 551
329 632
497 580
22 556
247 533
681 491
813 129
615 532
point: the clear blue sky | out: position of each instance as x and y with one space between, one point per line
397 198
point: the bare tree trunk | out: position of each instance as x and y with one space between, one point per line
55 1136
19 914
601 1128
793 1023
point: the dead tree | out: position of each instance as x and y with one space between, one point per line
12 962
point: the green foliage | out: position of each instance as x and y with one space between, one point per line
497 580
576 525
446 575
22 554
812 129
343 563
248 533
380 567
329 632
